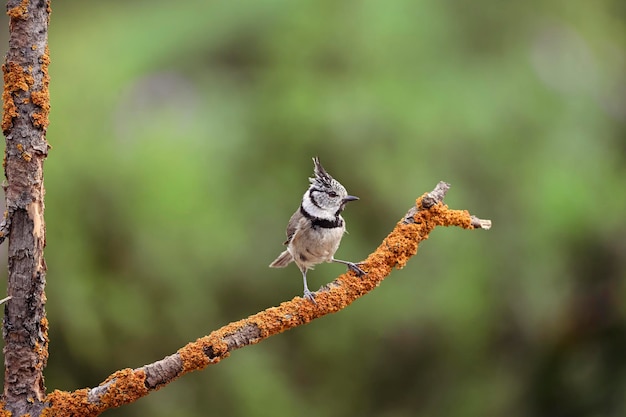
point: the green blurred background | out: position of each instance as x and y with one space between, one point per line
182 137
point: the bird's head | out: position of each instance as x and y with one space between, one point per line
326 193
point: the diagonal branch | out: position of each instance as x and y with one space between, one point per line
128 385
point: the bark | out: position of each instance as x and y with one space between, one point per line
24 124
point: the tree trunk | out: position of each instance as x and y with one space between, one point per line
24 123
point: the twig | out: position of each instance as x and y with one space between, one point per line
128 385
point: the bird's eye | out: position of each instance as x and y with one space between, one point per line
332 194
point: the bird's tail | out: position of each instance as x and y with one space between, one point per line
283 260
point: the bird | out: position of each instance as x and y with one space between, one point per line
315 230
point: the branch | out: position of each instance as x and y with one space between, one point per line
24 123
128 385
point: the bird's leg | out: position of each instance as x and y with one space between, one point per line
351 265
307 294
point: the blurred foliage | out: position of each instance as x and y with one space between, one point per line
182 137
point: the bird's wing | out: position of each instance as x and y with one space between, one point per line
292 226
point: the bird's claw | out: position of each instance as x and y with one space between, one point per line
308 295
355 268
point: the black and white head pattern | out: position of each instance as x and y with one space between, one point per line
326 197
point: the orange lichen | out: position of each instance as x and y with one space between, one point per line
127 386
193 357
9 110
3 411
20 11
205 351
62 403
25 155
15 81
42 98
43 349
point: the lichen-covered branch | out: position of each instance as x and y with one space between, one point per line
128 385
24 123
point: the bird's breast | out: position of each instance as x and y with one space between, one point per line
314 245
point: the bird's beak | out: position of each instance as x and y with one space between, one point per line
350 198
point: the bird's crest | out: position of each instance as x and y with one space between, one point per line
322 178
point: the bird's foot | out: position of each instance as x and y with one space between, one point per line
308 295
355 268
